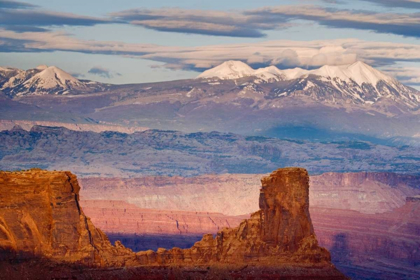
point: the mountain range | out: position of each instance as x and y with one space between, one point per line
330 103
357 82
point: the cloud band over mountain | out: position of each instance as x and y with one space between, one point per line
282 53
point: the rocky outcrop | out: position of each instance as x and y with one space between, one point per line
280 232
41 216
363 244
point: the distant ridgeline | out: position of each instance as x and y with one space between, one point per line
156 152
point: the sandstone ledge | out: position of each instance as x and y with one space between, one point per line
41 216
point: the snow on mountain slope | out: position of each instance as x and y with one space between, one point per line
50 78
46 80
269 73
7 73
354 83
229 70
294 73
6 69
359 72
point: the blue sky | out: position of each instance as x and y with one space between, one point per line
104 40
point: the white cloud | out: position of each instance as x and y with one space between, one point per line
282 53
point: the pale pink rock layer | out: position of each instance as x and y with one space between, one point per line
235 194
382 243
27 125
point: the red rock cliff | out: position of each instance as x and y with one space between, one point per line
280 232
41 216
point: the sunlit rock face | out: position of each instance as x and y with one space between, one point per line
284 204
41 219
280 232
41 216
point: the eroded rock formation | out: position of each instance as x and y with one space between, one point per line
363 244
41 216
280 232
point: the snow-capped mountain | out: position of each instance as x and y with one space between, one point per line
229 70
355 83
232 97
6 73
42 80
52 79
359 72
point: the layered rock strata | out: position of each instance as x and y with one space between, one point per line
372 246
41 218
40 215
124 218
280 232
363 191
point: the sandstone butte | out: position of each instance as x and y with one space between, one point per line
41 217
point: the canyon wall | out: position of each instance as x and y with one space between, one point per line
381 238
235 194
280 232
41 217
364 246
124 218
372 246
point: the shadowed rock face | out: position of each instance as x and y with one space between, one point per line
280 232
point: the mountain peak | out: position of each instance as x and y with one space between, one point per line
364 73
231 69
269 73
43 80
52 77
359 72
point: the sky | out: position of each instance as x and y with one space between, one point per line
129 41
